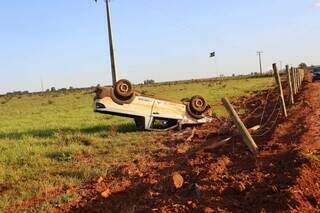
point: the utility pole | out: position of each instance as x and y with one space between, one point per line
112 57
259 53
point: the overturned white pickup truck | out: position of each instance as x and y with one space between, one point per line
150 113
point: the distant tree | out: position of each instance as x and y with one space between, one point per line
303 65
53 89
148 81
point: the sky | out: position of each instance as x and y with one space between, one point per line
64 42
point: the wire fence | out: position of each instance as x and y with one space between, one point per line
273 108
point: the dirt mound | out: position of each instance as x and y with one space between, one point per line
196 176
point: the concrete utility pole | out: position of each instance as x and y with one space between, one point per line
260 63
112 57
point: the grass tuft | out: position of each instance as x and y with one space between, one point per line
50 102
61 156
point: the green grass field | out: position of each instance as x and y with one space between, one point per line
55 140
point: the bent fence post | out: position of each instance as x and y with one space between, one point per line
241 127
278 80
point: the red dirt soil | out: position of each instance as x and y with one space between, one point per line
283 177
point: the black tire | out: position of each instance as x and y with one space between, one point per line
198 104
123 89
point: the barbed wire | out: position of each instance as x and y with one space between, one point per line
272 119
265 106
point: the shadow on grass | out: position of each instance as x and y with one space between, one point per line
101 129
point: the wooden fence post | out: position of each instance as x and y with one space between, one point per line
278 80
297 80
302 75
293 81
298 77
241 127
290 84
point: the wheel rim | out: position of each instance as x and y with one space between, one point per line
123 89
198 104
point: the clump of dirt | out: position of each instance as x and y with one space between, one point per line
4 187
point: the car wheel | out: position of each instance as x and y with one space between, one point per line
121 100
123 89
198 104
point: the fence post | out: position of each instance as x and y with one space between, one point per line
241 127
278 80
293 80
297 80
301 76
298 83
290 84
